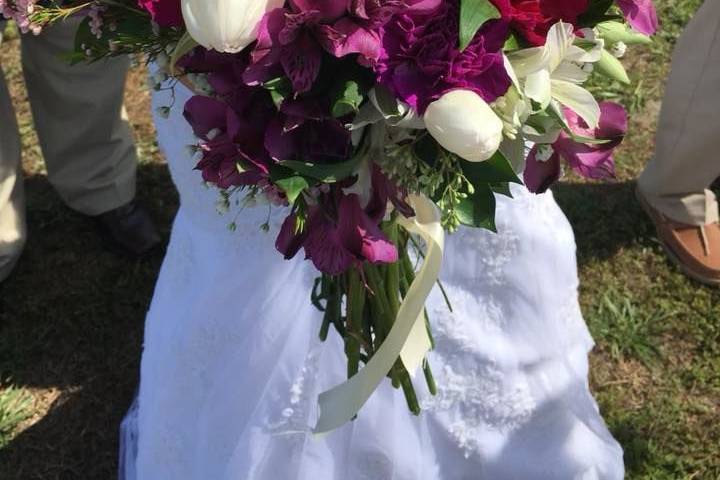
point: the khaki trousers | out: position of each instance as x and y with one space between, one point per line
687 153
84 135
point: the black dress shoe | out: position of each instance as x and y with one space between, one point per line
128 229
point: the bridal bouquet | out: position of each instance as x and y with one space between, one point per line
377 125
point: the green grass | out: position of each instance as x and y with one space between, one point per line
15 408
71 316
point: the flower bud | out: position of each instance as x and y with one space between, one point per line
464 124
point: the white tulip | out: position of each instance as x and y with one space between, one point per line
463 123
225 25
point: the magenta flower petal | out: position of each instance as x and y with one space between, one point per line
289 241
641 15
594 161
205 114
539 176
613 121
329 10
324 247
347 37
589 162
301 63
166 13
361 235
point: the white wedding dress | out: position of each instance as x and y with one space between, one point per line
232 365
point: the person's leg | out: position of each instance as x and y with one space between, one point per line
85 137
80 120
687 161
12 205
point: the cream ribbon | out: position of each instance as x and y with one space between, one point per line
408 338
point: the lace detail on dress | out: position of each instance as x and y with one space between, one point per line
474 397
301 394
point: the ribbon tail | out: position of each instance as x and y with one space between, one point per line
340 404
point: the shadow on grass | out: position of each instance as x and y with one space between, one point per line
606 218
71 320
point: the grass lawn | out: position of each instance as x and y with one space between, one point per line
71 316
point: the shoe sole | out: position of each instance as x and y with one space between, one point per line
674 258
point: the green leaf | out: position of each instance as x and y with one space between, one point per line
280 88
326 173
595 13
612 67
386 102
502 188
496 170
478 210
473 15
348 100
512 43
293 186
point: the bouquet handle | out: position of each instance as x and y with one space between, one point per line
408 337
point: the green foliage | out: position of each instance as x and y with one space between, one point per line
326 173
473 14
15 408
348 99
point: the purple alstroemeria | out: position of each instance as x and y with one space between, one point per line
216 124
334 247
291 40
231 129
641 15
338 238
304 131
286 45
591 161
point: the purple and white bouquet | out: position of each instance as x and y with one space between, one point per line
378 125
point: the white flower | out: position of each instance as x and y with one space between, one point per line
463 123
225 25
619 49
555 71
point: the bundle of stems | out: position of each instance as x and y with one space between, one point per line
362 305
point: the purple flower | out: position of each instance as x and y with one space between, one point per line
340 233
291 40
286 45
641 15
166 13
304 131
590 161
232 125
421 59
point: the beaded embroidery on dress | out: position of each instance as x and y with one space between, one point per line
231 366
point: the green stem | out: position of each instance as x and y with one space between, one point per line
355 309
429 378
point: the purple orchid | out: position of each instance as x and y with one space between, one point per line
421 60
591 161
641 15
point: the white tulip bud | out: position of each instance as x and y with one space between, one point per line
464 124
225 25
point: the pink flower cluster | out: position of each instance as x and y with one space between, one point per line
20 12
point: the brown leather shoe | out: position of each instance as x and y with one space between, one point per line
696 250
128 229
